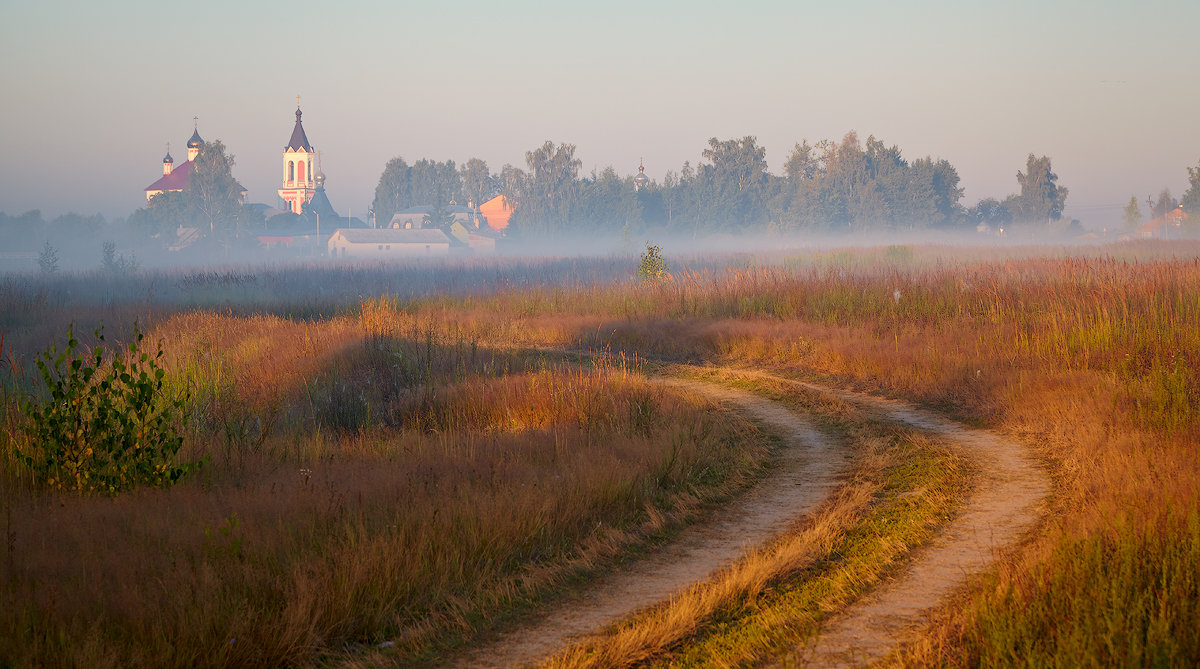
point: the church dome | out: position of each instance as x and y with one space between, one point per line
168 158
320 179
194 142
641 179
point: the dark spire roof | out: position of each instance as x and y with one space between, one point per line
319 204
299 140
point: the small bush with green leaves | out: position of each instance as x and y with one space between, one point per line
105 425
652 266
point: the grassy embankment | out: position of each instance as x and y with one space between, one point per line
368 481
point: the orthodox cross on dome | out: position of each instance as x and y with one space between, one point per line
297 101
195 123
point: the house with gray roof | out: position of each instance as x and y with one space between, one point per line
365 243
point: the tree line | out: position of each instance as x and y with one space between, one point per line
843 186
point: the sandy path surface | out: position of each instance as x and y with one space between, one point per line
1005 501
807 469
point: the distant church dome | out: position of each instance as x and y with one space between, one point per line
195 141
320 179
641 180
168 159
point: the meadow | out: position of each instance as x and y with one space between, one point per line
416 456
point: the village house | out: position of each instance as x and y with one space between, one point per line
388 243
497 211
1168 226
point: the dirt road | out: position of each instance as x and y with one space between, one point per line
1004 502
806 471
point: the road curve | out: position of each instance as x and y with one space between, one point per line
806 471
1005 501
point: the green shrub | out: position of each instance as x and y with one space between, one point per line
48 259
652 266
105 425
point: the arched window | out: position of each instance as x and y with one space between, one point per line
300 174
291 171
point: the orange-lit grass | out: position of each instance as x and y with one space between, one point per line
413 537
1093 361
903 486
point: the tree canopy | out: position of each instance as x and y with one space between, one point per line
1041 199
215 195
842 186
424 183
211 202
1191 197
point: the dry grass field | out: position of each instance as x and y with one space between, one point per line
391 458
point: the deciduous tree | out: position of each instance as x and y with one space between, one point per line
1164 204
1191 197
1041 199
215 195
392 193
549 189
476 182
1132 216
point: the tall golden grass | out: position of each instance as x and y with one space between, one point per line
1090 356
903 485
1092 361
481 482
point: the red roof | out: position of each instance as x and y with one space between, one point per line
1156 226
176 180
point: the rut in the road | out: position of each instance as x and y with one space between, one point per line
1003 504
807 469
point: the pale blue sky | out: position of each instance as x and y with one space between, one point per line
92 92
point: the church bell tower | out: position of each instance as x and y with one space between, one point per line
298 178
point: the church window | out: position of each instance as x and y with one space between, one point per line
291 171
300 174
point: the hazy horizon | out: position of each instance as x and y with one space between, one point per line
1099 89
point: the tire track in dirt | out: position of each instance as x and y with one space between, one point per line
1005 501
805 472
